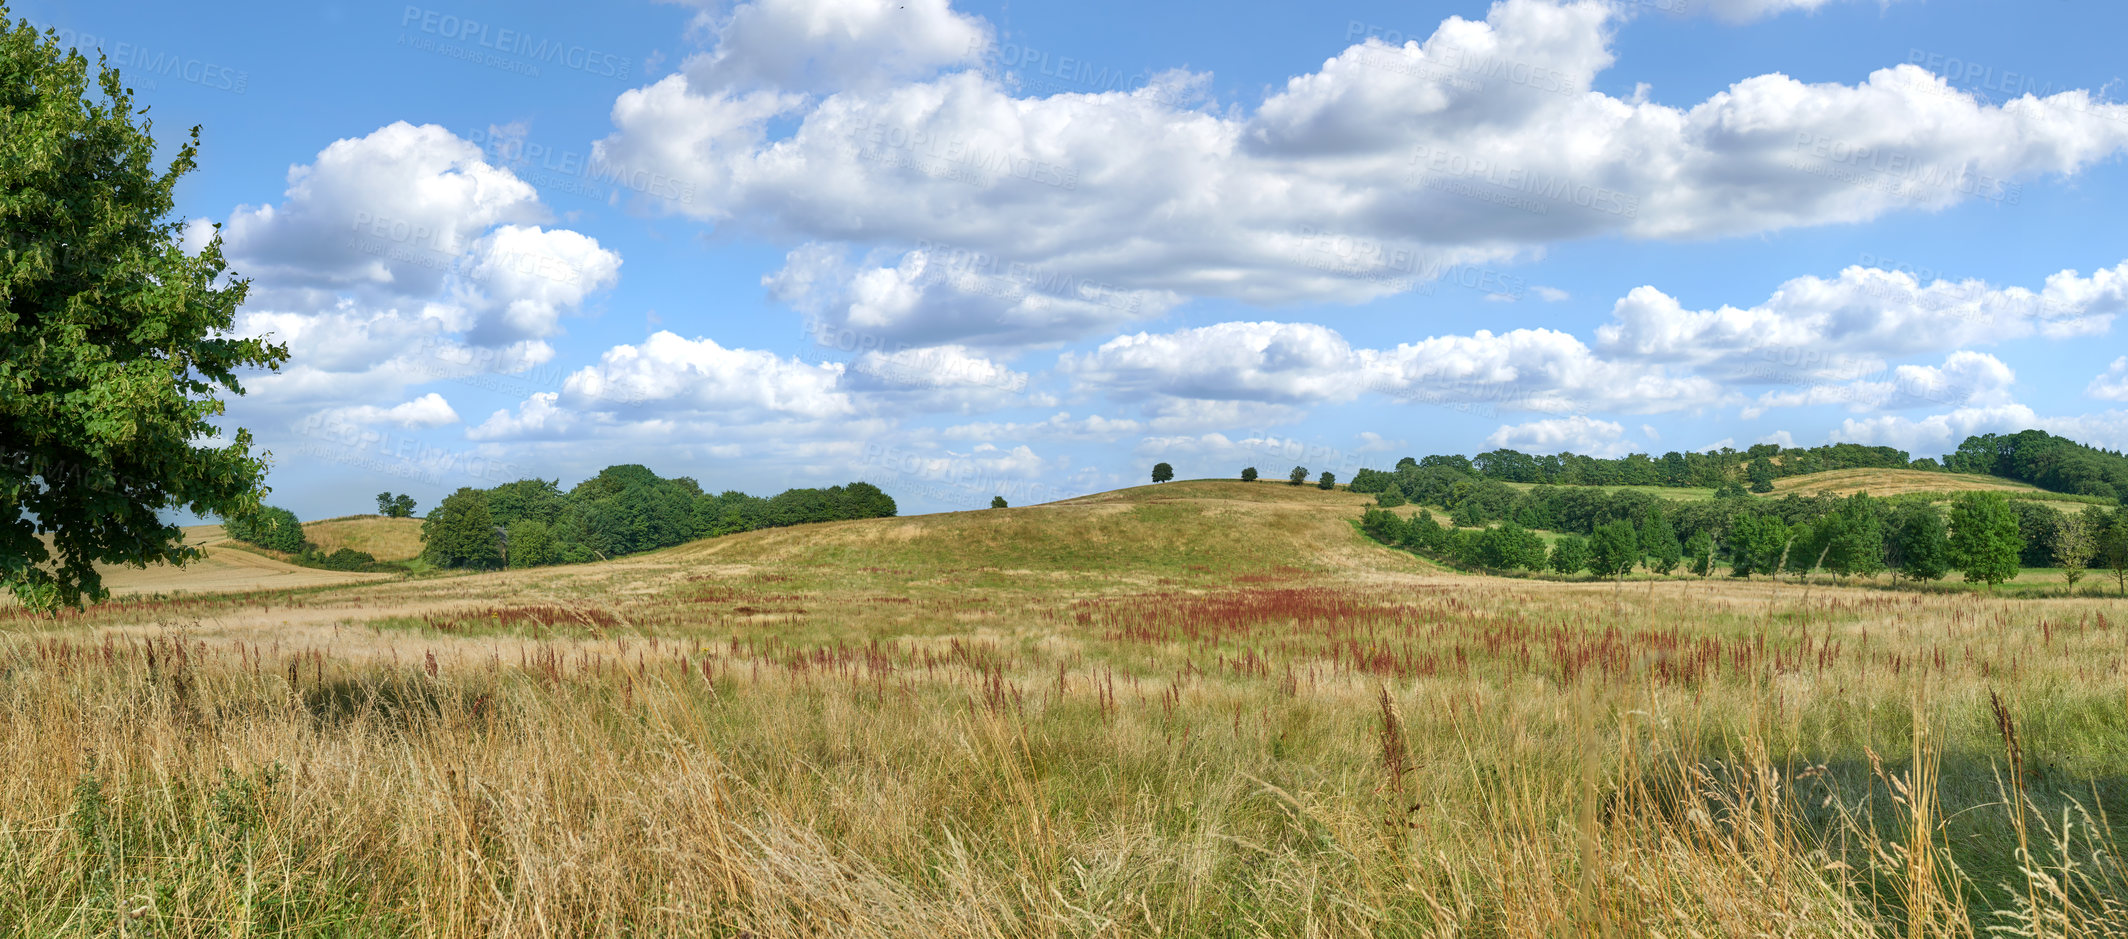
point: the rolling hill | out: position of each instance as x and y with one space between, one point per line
386 539
1892 482
226 568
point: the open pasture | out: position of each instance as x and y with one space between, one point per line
1196 709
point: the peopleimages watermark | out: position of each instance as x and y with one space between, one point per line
501 47
385 453
975 271
410 242
1512 187
1398 266
1484 399
1892 172
1966 77
950 156
491 369
952 479
1315 457
562 170
136 62
1041 71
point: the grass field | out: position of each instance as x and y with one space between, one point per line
386 539
1892 482
1679 493
1200 708
226 568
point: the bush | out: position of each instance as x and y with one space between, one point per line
1248 475
268 527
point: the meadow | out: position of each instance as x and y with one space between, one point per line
1201 708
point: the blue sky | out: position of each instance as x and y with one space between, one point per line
992 248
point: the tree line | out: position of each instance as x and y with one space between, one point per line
1980 534
2044 460
623 510
2037 457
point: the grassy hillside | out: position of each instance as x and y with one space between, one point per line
386 539
1892 482
227 567
1200 708
1679 493
1189 529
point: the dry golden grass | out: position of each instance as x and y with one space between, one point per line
1892 482
225 568
386 539
1174 711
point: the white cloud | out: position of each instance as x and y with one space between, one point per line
828 45
429 410
1812 328
2112 384
1936 433
1059 426
1577 434
1305 363
1364 178
392 210
668 374
536 419
1966 378
1551 294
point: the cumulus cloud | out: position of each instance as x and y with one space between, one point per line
668 374
399 258
2112 384
1577 434
828 45
1366 177
1305 363
1936 433
391 210
1812 328
936 293
429 410
1966 378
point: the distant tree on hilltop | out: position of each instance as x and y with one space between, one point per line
1163 472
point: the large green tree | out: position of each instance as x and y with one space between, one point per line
114 342
460 532
2074 540
1985 544
1919 547
1614 549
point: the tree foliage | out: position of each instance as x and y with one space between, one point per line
1328 480
1570 555
115 344
267 526
1614 549
391 506
625 509
1163 472
1919 546
1984 543
460 532
1298 476
1248 474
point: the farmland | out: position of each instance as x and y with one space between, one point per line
1197 709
